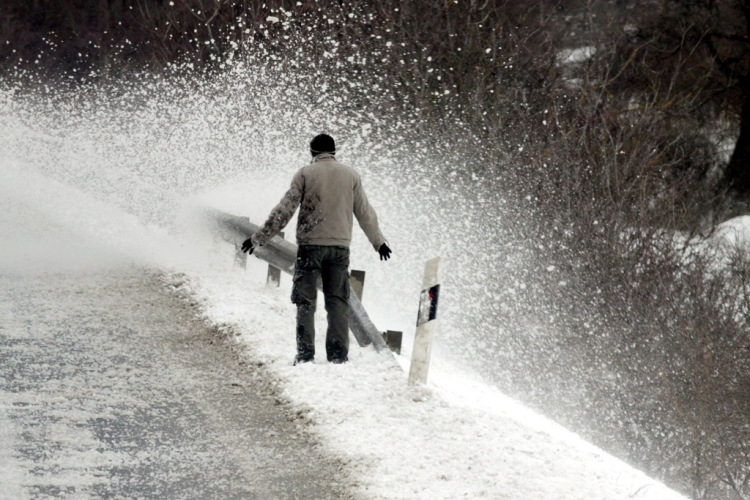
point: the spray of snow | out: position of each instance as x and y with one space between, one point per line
113 173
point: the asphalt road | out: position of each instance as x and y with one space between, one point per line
111 387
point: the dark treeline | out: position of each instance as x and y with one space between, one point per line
613 125
696 52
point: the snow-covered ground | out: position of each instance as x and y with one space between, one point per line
456 437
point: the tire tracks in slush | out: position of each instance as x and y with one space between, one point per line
111 387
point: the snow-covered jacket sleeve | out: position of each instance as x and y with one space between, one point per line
366 216
282 213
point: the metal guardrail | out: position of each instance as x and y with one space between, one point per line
282 255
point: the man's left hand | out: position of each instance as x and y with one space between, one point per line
247 246
384 251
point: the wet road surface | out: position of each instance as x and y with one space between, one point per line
111 387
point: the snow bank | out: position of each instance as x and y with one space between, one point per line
735 232
454 438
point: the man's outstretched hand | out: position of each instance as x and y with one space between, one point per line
384 251
247 246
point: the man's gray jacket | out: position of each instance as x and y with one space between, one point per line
328 194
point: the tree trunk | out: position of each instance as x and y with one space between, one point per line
738 170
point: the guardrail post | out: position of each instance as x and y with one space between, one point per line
357 282
357 285
273 279
393 340
426 322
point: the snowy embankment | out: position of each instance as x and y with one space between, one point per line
734 233
454 438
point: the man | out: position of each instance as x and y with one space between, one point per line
327 194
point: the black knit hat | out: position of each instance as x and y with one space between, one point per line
322 143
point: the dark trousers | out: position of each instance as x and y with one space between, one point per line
331 264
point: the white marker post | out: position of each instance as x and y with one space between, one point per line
426 322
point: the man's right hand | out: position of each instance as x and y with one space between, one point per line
247 246
384 251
